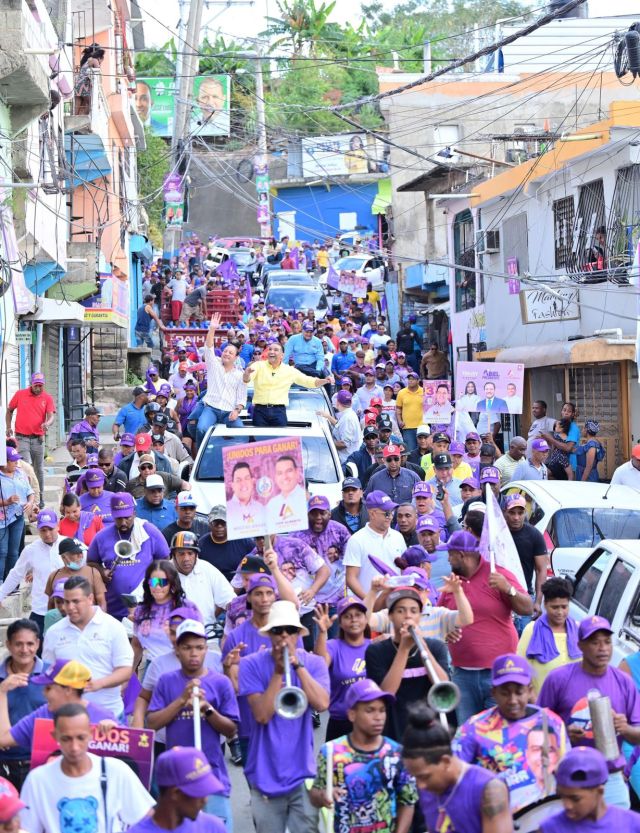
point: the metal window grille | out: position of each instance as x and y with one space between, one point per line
563 217
589 221
623 226
465 255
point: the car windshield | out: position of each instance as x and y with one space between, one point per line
240 257
292 277
351 263
296 298
587 527
317 459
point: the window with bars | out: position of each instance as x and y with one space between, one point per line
623 227
563 217
465 255
589 245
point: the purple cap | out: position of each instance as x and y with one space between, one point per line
58 589
379 500
185 613
473 435
364 691
92 460
456 448
12 455
122 505
592 624
186 768
412 373
582 767
422 489
47 518
261 580
128 439
344 397
307 327
510 668
347 602
420 577
93 478
540 445
319 502
471 482
164 390
489 474
382 567
346 381
417 555
37 378
462 541
427 523
369 371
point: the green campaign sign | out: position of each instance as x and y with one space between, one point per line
209 112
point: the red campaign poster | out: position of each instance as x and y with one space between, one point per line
133 746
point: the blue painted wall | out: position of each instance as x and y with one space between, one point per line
318 209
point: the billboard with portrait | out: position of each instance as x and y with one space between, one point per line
264 488
155 101
489 387
345 154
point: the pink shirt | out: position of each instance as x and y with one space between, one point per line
493 632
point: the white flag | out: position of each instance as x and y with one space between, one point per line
496 543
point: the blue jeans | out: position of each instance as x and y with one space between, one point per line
475 691
212 416
10 538
220 806
409 437
143 339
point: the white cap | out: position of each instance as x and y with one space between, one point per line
477 506
422 429
191 626
185 499
154 481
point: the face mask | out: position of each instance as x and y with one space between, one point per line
76 565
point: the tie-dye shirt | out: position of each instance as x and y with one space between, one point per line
375 783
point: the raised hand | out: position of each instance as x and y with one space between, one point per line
322 618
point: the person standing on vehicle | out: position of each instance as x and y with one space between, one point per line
35 411
305 351
272 380
565 691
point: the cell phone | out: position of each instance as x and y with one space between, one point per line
400 581
440 492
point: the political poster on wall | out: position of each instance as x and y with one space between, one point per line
342 155
489 387
155 100
264 484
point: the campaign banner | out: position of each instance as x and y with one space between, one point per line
343 154
133 746
155 100
489 387
436 404
264 486
111 304
350 284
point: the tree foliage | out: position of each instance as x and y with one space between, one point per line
153 165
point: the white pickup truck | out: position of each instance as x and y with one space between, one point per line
608 584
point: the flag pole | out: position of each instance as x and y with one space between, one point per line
487 497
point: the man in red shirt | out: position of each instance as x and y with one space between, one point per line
493 597
35 411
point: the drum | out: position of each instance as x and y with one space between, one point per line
528 819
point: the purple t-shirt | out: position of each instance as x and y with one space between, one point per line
268 769
22 732
128 574
615 818
236 613
218 691
564 691
330 544
460 810
149 626
204 823
347 667
100 505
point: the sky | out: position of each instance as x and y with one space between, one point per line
238 19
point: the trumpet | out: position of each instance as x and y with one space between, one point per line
443 697
123 551
291 701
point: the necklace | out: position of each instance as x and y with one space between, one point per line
442 808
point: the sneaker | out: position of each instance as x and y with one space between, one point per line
315 717
234 751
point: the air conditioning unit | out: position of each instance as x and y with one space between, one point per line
487 242
515 155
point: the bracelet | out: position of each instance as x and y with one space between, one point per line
209 711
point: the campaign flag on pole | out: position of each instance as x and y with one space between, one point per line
294 254
496 543
333 278
228 271
248 303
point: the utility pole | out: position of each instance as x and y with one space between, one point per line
261 123
189 68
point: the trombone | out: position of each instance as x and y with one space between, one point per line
291 701
443 696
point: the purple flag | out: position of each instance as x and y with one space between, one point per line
383 302
294 254
248 302
333 278
228 271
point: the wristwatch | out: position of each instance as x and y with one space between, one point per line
299 664
209 711
512 591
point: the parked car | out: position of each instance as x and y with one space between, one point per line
297 277
608 584
293 298
366 266
574 517
319 456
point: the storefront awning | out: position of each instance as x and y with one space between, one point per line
64 291
382 199
40 277
49 311
140 246
584 351
87 158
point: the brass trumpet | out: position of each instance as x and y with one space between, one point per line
443 697
291 701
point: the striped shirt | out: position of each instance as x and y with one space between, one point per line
225 388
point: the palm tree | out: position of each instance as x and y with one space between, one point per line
303 26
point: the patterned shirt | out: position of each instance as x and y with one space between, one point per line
329 544
375 784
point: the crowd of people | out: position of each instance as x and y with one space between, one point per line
457 694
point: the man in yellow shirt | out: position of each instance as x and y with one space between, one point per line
409 410
322 258
271 383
